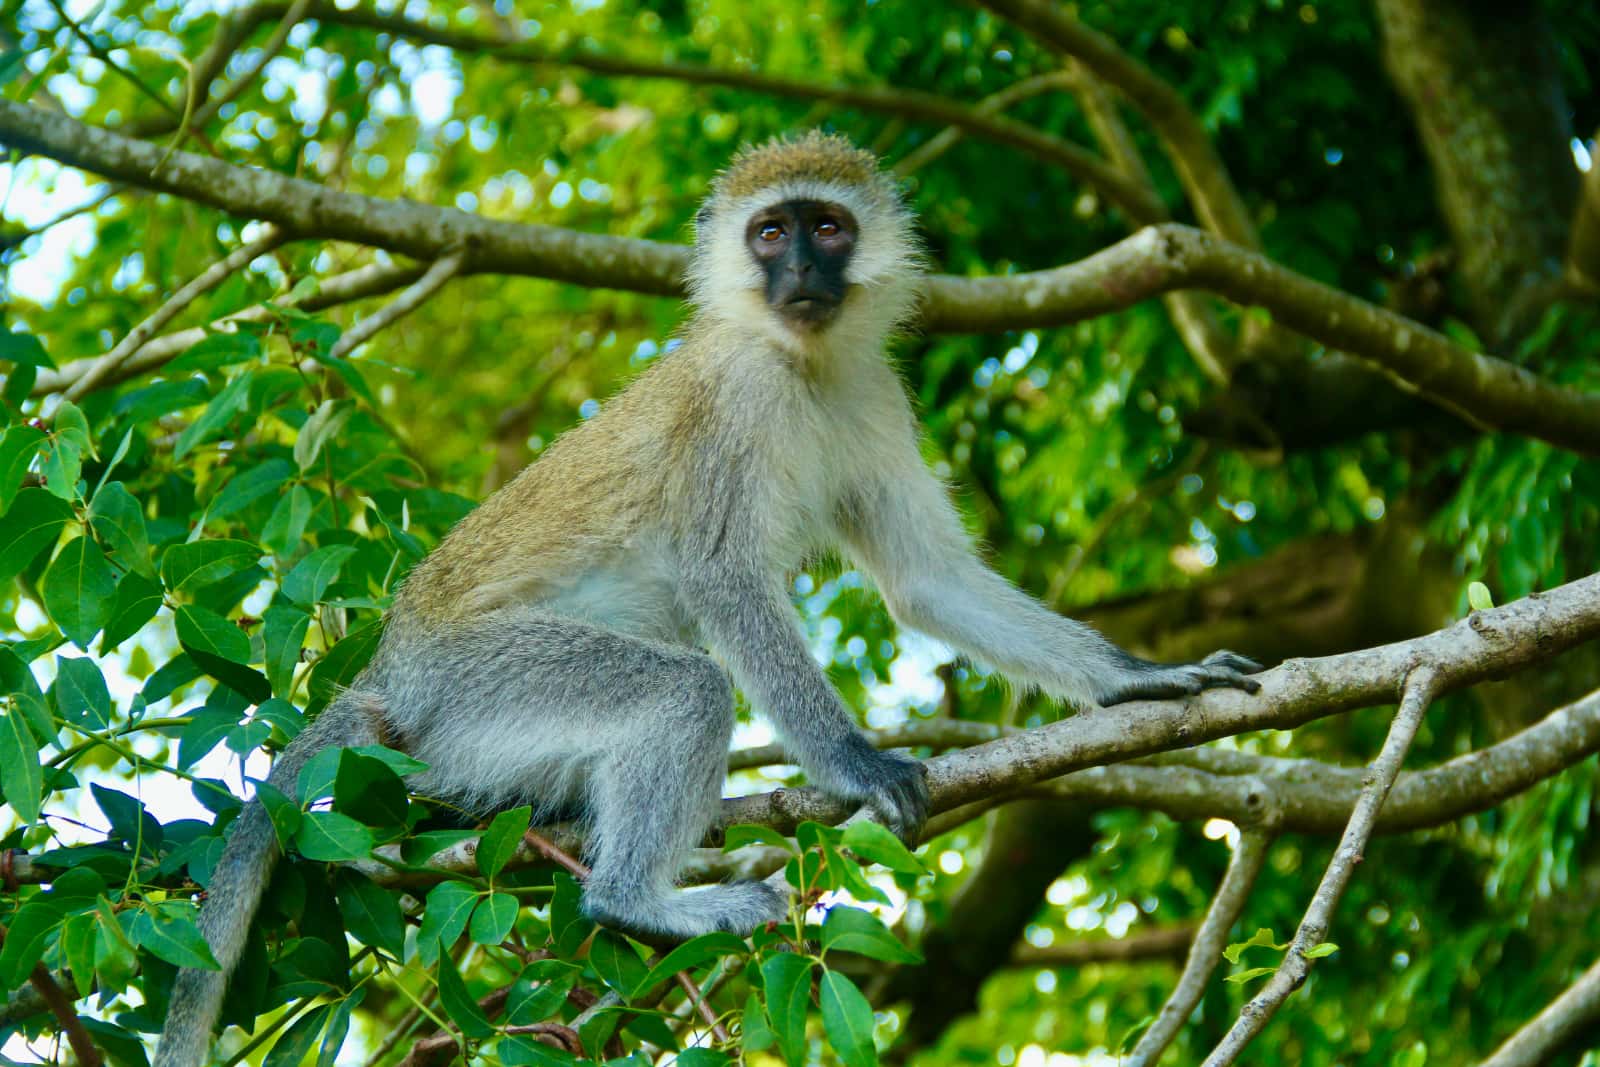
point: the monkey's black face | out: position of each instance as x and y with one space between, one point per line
804 247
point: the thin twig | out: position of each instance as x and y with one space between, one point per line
409 299
205 281
1206 950
577 869
1296 965
993 104
274 45
374 279
16 237
60 1005
100 53
1539 1039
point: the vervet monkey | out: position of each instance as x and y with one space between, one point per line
551 650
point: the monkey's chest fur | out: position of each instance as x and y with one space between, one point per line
598 528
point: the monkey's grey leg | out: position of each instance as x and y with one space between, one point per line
526 707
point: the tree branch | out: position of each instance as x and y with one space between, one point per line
374 279
993 104
51 995
1156 260
1420 687
1244 866
1157 943
1487 644
1140 205
1543 1035
1204 176
412 297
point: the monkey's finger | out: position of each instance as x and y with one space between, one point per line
1232 661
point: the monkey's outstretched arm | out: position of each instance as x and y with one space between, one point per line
905 531
746 618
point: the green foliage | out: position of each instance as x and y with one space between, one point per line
194 561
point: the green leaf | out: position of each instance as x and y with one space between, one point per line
79 590
615 961
62 467
173 936
1478 597
191 565
873 841
499 842
284 813
421 847
244 489
742 834
32 523
283 635
81 694
21 774
1247 975
335 671
702 1057
27 936
324 423
691 954
755 1032
1321 949
287 523
70 423
118 520
445 915
25 350
493 918
217 350
1262 938
291 1049
366 789
214 419
136 603
78 935
129 820
853 930
540 991
207 727
203 630
786 977
332 837
370 912
18 447
514 1050
569 927
847 1020
312 575
458 1002
339 1027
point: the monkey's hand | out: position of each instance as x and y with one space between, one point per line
1162 681
890 785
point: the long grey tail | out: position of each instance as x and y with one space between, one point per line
239 881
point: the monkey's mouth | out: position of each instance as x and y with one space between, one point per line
809 310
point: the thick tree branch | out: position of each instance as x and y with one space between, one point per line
1157 943
1485 645
1140 205
1420 687
1204 176
1157 260
1545 1033
1243 868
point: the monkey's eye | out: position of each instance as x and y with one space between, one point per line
827 228
770 231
